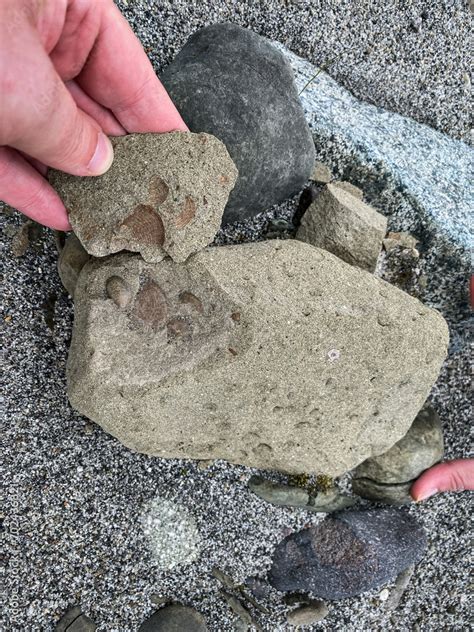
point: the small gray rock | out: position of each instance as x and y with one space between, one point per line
348 554
278 493
174 618
307 615
321 173
344 225
420 448
350 188
72 259
231 82
391 494
399 240
164 194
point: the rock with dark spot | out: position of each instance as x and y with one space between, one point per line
348 554
329 501
152 198
231 82
174 618
72 259
344 225
188 298
169 378
150 305
307 615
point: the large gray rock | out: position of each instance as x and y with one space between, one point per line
343 224
274 354
233 83
348 554
164 194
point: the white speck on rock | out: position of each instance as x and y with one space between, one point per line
334 354
172 534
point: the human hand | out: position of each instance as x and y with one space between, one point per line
450 476
71 73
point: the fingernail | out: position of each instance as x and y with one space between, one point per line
427 493
103 156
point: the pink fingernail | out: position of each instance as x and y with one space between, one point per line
103 156
431 491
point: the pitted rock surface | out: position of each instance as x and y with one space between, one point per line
164 194
273 354
231 82
348 554
339 221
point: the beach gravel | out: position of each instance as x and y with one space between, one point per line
74 496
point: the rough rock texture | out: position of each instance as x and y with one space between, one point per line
392 156
348 554
174 618
72 258
164 194
248 353
231 82
420 448
341 223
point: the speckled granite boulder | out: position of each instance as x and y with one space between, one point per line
174 618
72 258
164 194
273 354
389 476
341 223
348 554
232 83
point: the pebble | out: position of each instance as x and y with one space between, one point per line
307 615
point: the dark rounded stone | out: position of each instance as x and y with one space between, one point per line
348 554
231 82
175 618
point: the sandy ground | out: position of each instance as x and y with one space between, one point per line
74 495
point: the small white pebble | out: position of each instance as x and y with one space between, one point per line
384 595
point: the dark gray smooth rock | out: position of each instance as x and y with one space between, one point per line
231 82
348 554
175 618
75 621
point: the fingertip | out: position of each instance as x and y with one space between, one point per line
103 156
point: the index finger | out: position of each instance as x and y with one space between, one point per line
119 75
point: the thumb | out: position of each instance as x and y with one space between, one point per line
42 119
450 476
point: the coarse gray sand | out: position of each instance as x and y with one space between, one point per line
74 496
